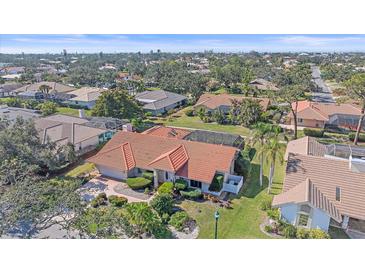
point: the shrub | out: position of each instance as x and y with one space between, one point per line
192 194
180 184
313 132
146 191
117 201
99 200
265 204
273 214
138 182
189 112
162 203
148 175
165 218
217 183
166 187
179 220
317 234
276 117
290 231
268 228
352 137
302 233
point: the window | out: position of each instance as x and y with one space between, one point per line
338 194
300 120
196 184
303 220
166 176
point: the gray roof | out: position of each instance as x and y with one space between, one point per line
106 122
158 99
11 113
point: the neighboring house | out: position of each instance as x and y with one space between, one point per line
223 102
318 115
12 70
54 87
322 186
204 136
262 84
160 101
63 129
129 154
7 90
12 113
84 97
10 77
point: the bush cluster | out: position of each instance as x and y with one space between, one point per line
163 203
117 201
265 205
217 183
180 184
361 137
166 188
138 182
99 200
179 220
148 175
189 112
313 132
192 194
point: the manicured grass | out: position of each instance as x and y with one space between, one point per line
244 219
81 169
72 111
337 233
196 123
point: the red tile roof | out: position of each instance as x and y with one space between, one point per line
171 132
193 160
322 111
128 156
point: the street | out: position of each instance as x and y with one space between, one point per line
324 94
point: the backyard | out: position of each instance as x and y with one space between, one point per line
244 219
72 111
180 119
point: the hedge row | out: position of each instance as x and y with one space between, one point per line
138 182
313 132
361 136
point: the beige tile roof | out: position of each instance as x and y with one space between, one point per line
212 101
55 87
327 174
305 146
86 94
193 160
307 192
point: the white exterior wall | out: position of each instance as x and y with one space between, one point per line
320 219
113 173
289 212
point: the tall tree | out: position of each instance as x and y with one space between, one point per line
117 104
291 95
273 151
356 90
259 136
245 112
45 89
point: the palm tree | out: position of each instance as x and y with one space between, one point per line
273 151
259 136
45 89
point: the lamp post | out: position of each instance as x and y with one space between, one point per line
216 216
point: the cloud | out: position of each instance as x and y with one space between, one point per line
317 41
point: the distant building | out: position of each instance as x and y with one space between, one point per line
7 90
84 97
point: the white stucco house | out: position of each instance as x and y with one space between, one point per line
323 186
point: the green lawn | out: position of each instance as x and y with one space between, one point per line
196 123
72 111
81 169
244 219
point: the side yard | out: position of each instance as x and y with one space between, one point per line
244 219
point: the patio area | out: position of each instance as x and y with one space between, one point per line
101 184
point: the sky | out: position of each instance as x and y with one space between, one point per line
111 43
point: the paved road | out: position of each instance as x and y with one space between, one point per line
324 93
